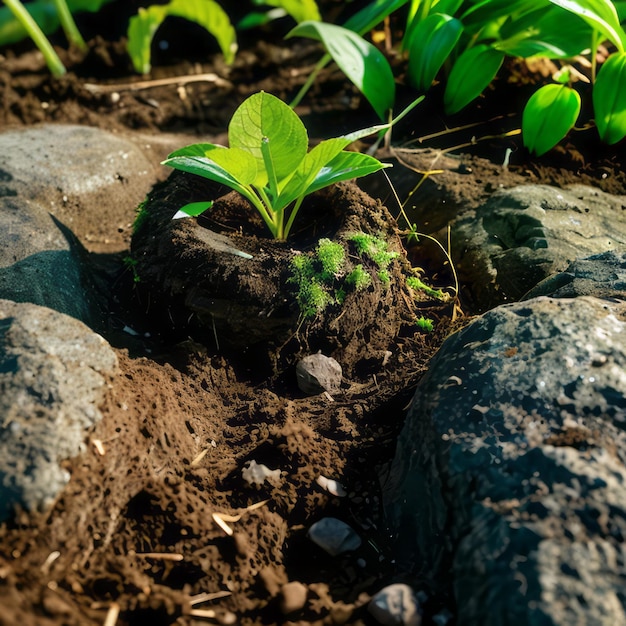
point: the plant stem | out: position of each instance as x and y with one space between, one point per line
321 64
53 61
267 213
69 25
292 216
594 55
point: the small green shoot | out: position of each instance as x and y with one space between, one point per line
54 63
417 284
425 324
268 162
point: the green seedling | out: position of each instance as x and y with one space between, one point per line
268 162
299 10
425 324
205 13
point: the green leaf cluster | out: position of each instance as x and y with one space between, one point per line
465 42
268 161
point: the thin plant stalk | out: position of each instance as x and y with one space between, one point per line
321 64
69 25
53 61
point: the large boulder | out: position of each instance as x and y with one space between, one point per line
522 235
89 179
53 374
509 479
60 188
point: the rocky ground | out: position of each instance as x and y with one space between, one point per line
158 523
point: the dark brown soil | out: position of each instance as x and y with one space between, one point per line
134 537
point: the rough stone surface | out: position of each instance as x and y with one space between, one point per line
522 235
42 262
70 171
53 372
51 177
601 275
510 476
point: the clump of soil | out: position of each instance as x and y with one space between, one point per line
222 280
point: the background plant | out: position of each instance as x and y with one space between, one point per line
464 42
44 17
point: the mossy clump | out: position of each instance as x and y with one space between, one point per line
377 250
322 279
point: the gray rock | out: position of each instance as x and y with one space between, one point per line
334 536
510 477
317 373
71 171
521 236
53 373
42 262
600 275
50 177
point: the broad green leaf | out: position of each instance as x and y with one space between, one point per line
360 61
206 13
481 13
300 10
449 7
263 115
141 29
601 15
346 166
205 167
421 10
549 32
548 116
609 99
473 70
309 168
431 43
240 164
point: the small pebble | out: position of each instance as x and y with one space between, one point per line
293 597
395 605
317 373
334 536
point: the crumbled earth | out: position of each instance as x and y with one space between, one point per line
158 524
